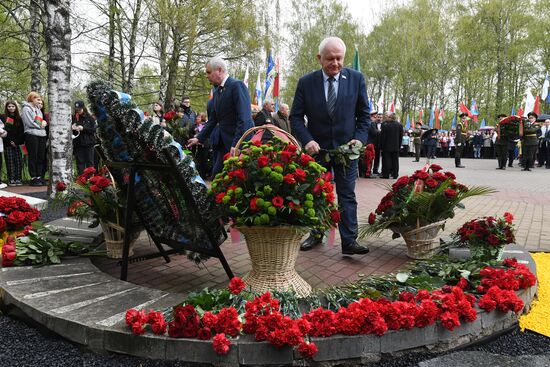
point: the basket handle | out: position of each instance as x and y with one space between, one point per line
276 131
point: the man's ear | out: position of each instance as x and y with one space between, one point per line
319 57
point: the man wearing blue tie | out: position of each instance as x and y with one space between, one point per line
230 112
334 101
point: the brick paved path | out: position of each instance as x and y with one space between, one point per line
524 194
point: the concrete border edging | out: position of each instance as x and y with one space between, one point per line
17 283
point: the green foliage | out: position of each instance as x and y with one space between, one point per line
38 249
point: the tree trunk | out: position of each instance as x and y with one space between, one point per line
132 48
173 68
34 45
111 62
163 42
119 26
57 34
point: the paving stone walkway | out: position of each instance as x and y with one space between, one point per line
524 194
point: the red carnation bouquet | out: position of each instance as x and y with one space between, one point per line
91 196
427 196
16 218
486 236
275 184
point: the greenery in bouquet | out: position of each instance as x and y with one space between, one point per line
427 196
344 153
92 196
486 236
275 184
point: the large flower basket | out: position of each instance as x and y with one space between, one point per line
114 239
422 242
273 252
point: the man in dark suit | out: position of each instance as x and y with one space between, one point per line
334 101
230 111
390 143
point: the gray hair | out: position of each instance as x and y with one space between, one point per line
391 115
216 63
328 40
284 105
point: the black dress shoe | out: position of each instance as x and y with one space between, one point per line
460 167
526 169
354 249
310 243
510 166
500 168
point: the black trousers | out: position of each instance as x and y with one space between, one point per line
458 154
376 166
390 164
544 154
511 156
84 157
430 151
36 146
502 155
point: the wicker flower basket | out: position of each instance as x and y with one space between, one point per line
114 239
422 242
273 252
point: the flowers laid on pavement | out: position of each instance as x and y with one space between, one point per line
275 184
427 196
492 287
486 236
16 219
25 241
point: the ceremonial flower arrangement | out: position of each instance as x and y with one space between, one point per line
426 197
264 315
486 236
275 184
16 218
92 196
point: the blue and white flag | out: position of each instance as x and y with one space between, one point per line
269 77
453 124
408 123
544 91
258 91
482 123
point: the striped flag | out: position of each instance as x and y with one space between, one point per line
473 109
408 123
545 86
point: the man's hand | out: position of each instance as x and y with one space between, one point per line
312 148
354 141
191 142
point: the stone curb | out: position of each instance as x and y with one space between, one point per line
89 309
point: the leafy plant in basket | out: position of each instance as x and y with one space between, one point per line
486 236
427 196
275 184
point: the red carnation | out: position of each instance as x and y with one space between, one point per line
372 218
89 171
278 201
253 204
289 179
219 197
239 174
291 148
263 161
508 217
305 159
2 224
221 344
236 285
95 188
450 175
335 216
60 186
204 333
435 167
493 240
430 182
449 193
300 175
330 197
307 350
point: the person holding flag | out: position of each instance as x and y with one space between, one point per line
14 138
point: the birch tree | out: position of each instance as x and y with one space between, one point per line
58 40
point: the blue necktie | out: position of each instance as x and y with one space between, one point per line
331 97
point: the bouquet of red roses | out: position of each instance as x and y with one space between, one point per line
427 196
486 236
16 218
275 184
